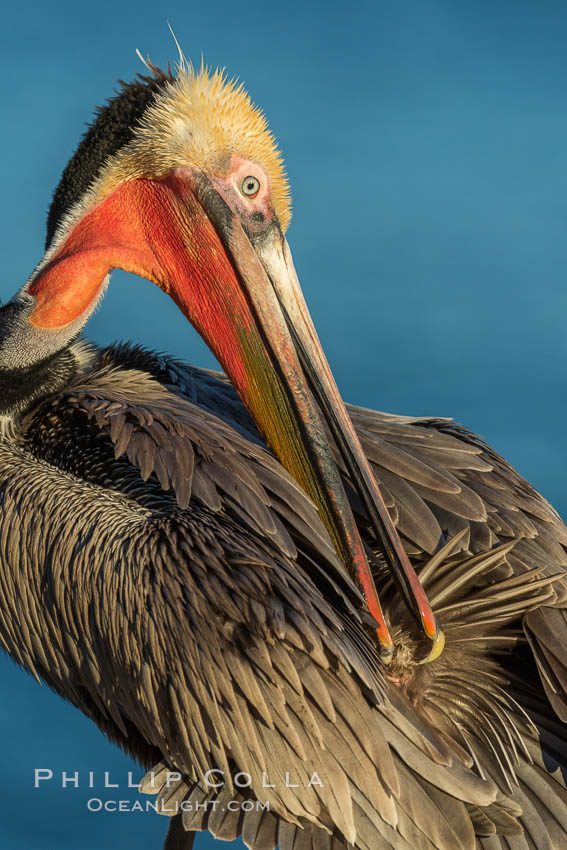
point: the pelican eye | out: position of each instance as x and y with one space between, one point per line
250 187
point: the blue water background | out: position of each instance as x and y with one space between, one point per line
427 148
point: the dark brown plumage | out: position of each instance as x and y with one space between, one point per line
193 612
112 130
164 573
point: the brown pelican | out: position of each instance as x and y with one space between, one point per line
163 572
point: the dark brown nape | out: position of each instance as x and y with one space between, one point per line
112 128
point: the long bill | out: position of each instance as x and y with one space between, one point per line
242 295
276 256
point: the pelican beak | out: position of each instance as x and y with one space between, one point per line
276 257
239 289
291 358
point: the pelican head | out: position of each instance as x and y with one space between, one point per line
180 181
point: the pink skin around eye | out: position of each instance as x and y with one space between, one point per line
255 210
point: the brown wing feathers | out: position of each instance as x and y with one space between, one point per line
248 651
516 746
